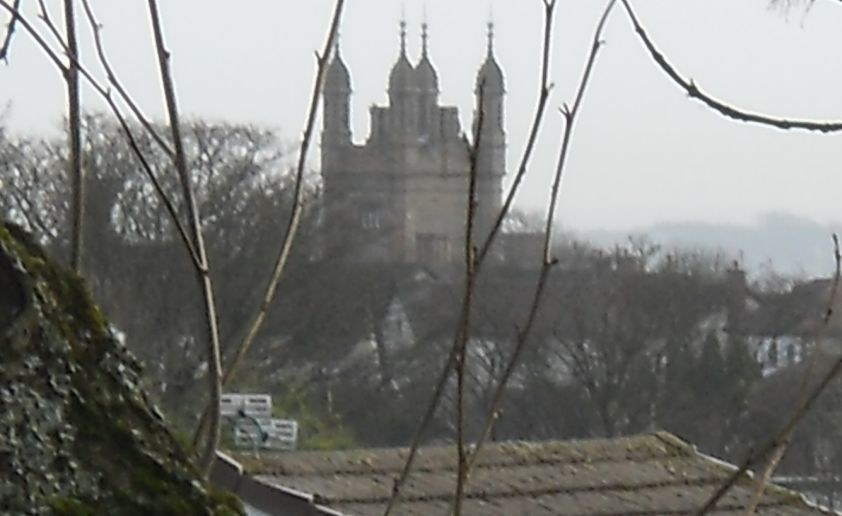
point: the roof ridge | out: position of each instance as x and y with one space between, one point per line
480 465
675 441
571 452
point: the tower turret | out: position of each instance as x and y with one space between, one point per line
403 93
491 156
427 83
336 123
401 81
490 90
426 78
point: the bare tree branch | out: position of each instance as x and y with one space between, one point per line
451 361
779 441
15 13
44 14
96 29
74 119
10 31
537 121
463 331
203 271
548 260
778 453
106 95
786 4
693 91
294 220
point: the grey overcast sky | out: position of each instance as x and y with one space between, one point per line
642 151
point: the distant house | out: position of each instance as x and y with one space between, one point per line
783 327
774 353
646 474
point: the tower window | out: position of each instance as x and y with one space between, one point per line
372 219
432 247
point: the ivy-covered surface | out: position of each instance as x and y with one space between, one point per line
77 434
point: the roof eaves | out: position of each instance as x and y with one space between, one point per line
268 497
788 497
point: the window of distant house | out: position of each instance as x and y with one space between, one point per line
773 352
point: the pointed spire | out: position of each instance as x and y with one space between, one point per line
336 46
424 37
338 79
490 73
401 74
425 75
424 34
403 35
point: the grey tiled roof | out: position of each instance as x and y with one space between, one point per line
650 474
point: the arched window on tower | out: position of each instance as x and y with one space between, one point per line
423 120
372 218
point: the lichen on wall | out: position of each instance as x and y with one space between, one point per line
77 434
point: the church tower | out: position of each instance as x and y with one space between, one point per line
491 159
400 195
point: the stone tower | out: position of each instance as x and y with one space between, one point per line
402 195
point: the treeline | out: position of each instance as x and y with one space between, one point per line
133 259
628 339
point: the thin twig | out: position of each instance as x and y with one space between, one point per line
203 271
15 13
807 403
778 453
426 418
10 31
150 174
106 95
450 362
463 332
537 121
835 286
294 220
693 91
74 129
44 14
96 30
548 261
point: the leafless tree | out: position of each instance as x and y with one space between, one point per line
194 240
602 372
773 448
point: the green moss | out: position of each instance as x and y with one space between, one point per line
225 503
68 506
107 447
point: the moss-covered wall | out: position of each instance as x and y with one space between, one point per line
77 434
